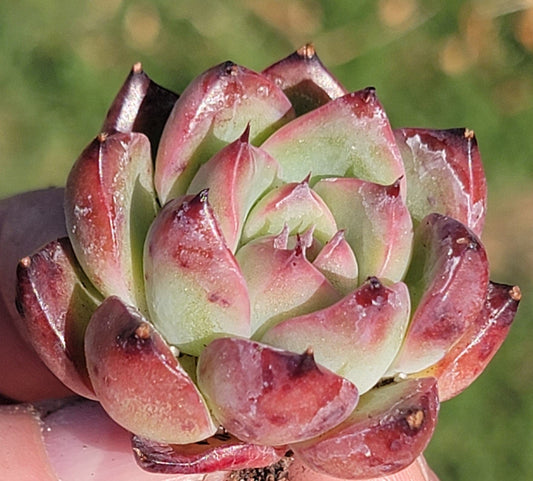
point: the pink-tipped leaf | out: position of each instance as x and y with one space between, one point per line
336 260
269 396
305 80
444 174
357 337
137 379
141 105
388 431
348 137
56 302
281 282
469 356
194 286
109 205
448 280
212 112
236 177
221 452
293 205
376 222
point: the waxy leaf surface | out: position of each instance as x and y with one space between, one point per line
357 338
109 205
349 136
376 223
444 174
138 380
390 428
141 105
56 306
213 111
268 396
305 80
236 177
469 356
294 205
194 286
281 283
447 280
221 452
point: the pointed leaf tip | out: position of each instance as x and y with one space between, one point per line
245 137
194 286
307 51
305 80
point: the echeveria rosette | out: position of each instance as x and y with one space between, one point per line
263 266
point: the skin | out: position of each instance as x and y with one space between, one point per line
26 222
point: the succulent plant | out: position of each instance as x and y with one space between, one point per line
262 270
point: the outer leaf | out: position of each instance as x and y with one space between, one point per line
418 470
109 205
448 281
357 338
141 105
270 396
348 137
56 306
469 356
236 177
194 286
305 80
282 283
213 111
376 222
222 452
444 174
390 428
138 380
27 221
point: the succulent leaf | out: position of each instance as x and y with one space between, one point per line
212 112
270 396
390 428
281 283
236 177
56 303
125 355
141 105
444 174
294 205
221 452
27 221
447 280
109 205
469 356
376 222
305 80
336 260
357 338
349 136
194 286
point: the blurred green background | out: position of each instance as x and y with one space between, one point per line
434 64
